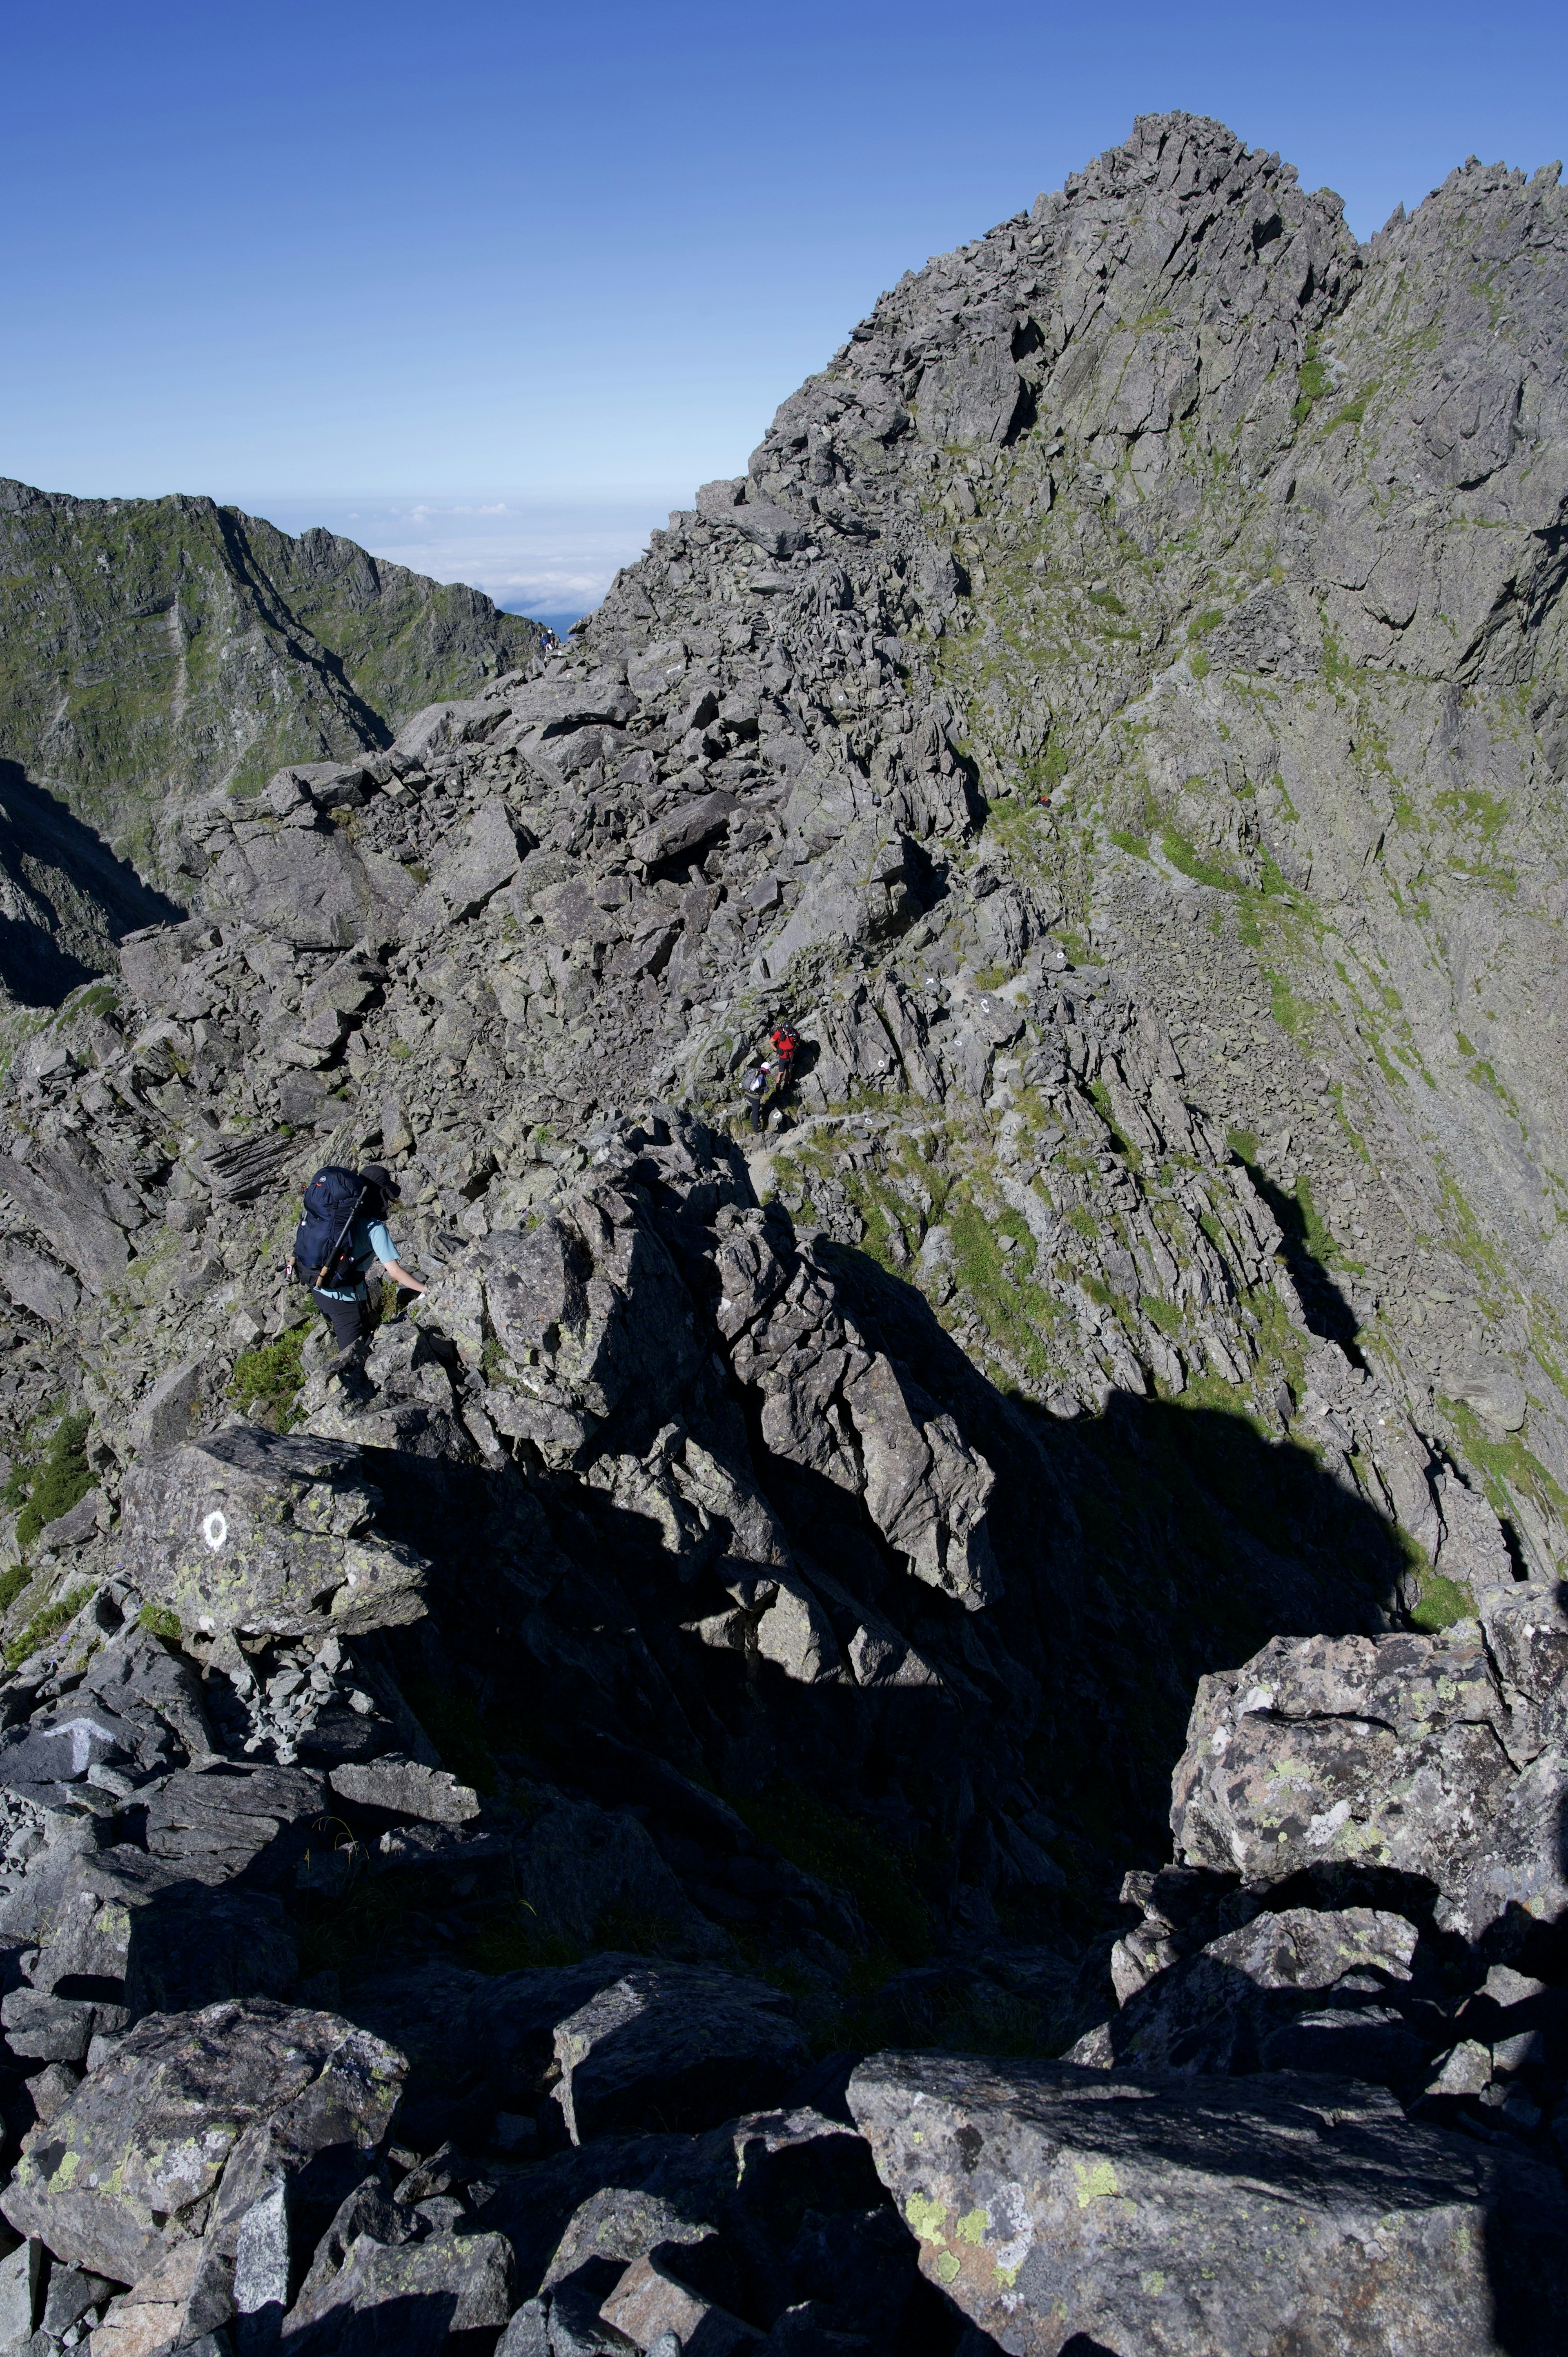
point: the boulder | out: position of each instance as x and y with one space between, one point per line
248 1530
436 725
218 1822
674 2046
1223 2008
861 896
38 1285
487 858
653 2298
163 1416
188 2106
1355 1752
683 830
589 1315
406 1789
308 886
1204 2217
404 2299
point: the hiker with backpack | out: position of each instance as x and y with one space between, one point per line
755 1090
341 1236
785 1042
766 1082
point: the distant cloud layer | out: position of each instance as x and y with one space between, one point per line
552 561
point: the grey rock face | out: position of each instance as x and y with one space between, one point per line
408 1789
250 1530
1116 721
678 2043
186 2107
1205 2216
1379 1752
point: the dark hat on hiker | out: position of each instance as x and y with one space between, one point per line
377 1175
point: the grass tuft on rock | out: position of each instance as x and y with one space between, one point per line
270 1377
44 1625
61 1482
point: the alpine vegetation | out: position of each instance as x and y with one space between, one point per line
785 1407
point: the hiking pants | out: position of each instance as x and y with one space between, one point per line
350 1321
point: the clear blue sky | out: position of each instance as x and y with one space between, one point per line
348 258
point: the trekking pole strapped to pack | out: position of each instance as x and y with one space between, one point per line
332 1200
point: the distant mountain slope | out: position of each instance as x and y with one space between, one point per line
154 649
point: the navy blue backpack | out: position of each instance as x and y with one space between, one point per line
321 1254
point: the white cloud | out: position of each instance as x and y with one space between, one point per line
556 560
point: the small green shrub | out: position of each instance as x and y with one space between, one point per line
61 1482
1310 384
43 1625
160 1621
271 1375
12 1584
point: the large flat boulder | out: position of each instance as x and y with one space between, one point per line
309 886
61 1198
1203 2217
488 855
267 1533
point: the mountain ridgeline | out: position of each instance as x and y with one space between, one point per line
152 651
939 1729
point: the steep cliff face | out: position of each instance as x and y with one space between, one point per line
159 648
774 1585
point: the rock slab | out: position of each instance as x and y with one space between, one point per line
1204 2217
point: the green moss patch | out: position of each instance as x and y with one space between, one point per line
1442 1602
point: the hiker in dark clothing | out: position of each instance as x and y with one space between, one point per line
345 1302
754 1089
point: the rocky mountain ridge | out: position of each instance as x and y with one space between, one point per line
751 1610
154 649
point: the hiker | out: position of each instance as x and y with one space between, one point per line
784 1043
754 1087
341 1236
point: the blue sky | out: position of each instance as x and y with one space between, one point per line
493 288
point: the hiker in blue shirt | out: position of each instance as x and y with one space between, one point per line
347 1304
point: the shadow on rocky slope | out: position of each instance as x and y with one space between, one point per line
65 899
1325 1305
